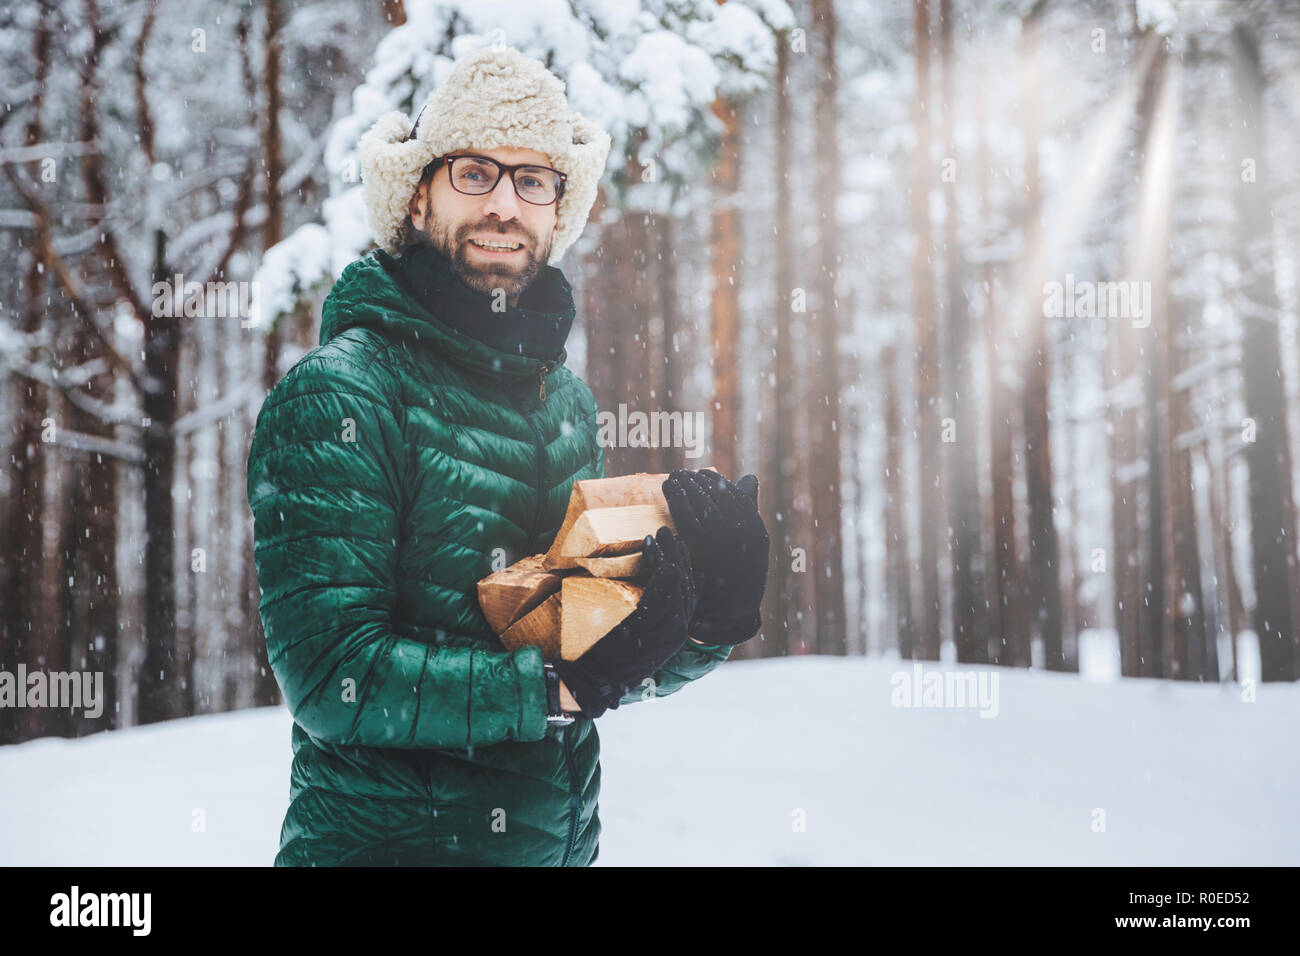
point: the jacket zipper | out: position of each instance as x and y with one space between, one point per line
541 476
575 797
541 380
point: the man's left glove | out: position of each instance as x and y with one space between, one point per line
642 642
729 548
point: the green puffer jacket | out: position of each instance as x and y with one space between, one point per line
386 468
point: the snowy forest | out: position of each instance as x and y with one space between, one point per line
1000 300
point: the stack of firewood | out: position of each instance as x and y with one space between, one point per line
567 599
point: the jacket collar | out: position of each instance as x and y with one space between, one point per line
536 327
419 298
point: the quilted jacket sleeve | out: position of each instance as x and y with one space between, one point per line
690 663
326 479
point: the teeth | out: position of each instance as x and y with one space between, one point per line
502 246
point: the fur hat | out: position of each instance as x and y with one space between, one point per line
494 97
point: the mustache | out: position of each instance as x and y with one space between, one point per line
520 236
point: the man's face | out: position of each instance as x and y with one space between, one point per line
453 222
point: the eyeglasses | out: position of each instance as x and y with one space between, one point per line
479 175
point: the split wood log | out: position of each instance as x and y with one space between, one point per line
622 566
540 628
626 490
508 595
590 607
608 532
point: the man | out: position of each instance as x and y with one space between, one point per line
435 428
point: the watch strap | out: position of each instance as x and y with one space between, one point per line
554 711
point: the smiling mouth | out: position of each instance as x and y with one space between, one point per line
496 246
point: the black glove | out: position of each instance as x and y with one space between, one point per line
729 546
639 644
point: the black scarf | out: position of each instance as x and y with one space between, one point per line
537 326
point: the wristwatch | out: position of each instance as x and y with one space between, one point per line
555 715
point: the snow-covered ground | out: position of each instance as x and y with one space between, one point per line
802 761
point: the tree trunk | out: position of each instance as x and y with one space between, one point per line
675 342
1185 640
619 355
1183 635
1006 640
969 627
928 428
825 411
724 300
88 551
898 559
1044 549
273 172
781 604
30 617
1138 585
272 148
161 690
1152 235
28 620
1268 455
161 686
1228 591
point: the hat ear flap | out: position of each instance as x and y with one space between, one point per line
583 165
391 164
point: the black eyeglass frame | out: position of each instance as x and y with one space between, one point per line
502 169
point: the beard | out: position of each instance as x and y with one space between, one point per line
511 277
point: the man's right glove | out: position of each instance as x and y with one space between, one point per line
729 547
639 644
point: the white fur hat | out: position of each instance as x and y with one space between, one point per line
494 97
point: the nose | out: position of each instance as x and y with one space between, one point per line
503 201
